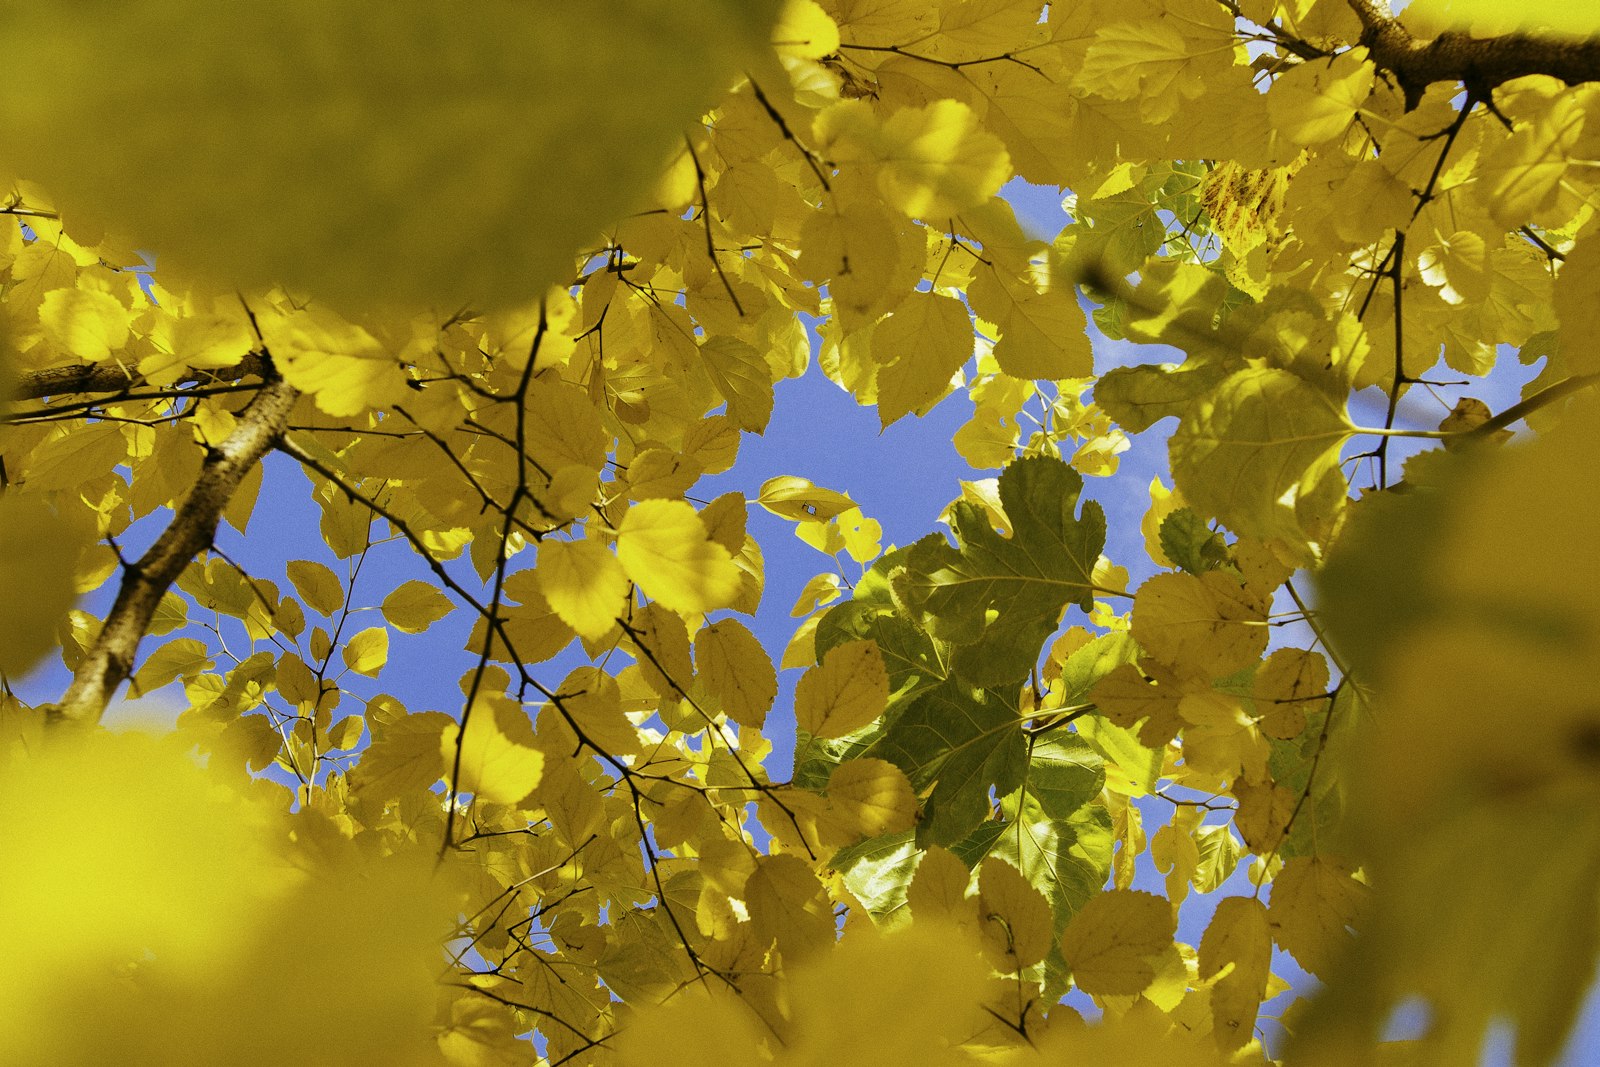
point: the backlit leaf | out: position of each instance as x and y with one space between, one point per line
414 606
664 548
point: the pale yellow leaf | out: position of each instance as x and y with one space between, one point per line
583 584
664 548
496 754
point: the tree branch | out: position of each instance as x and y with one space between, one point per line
111 378
110 660
1479 63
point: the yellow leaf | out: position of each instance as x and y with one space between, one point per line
368 651
594 701
1041 333
1163 502
317 585
805 31
733 666
938 160
1205 626
1265 809
742 377
38 554
848 690
1149 61
496 755
789 905
938 890
906 998
1237 937
414 606
665 549
1317 100
382 120
1017 925
1287 685
872 796
1113 942
1485 18
565 437
583 584
1576 308
1314 902
791 497
84 323
197 340
339 363
663 650
1261 453
208 880
862 536
920 348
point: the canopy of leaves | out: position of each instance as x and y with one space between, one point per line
504 282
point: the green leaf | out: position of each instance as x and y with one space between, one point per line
962 742
878 871
999 598
1190 544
